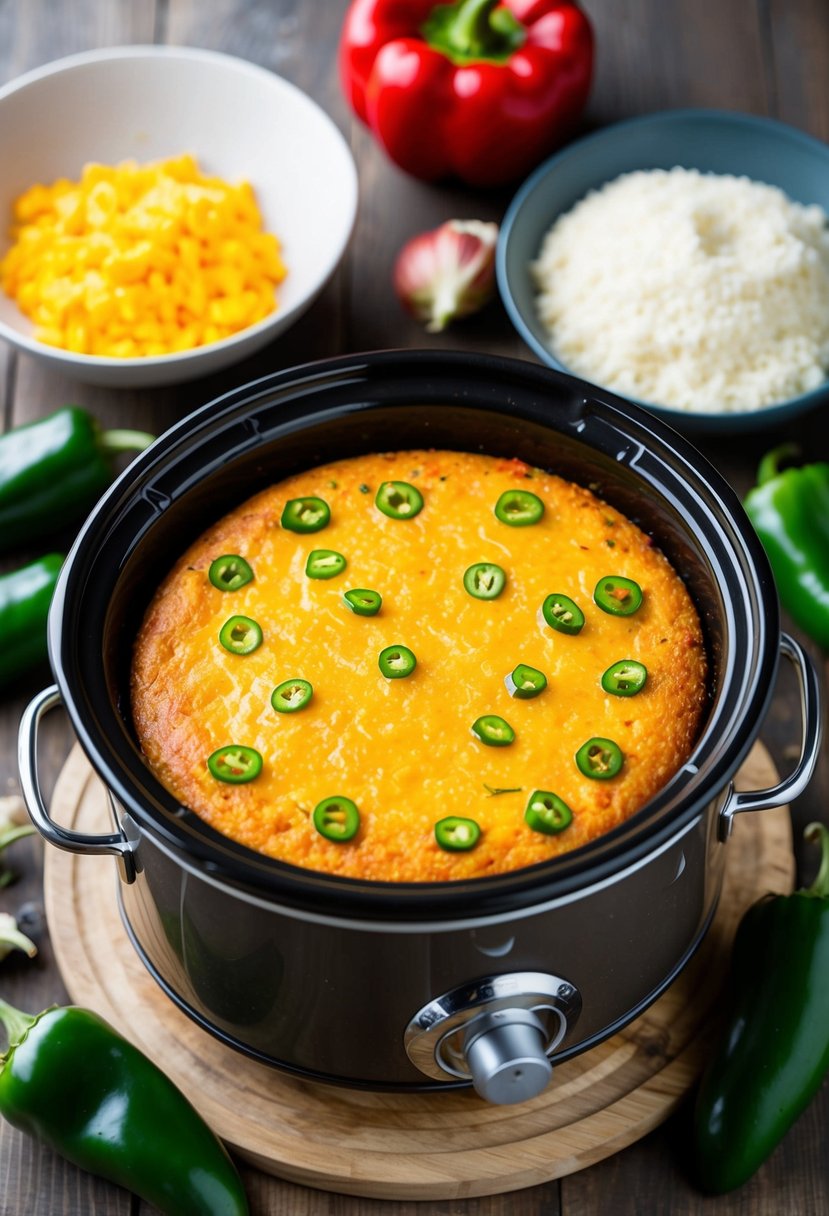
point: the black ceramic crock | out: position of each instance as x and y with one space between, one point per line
398 984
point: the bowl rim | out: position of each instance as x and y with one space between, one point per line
696 419
308 397
280 316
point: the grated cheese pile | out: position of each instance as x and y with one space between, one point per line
697 291
137 260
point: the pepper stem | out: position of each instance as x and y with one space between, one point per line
470 30
819 833
770 464
16 833
112 442
16 1024
6 838
12 939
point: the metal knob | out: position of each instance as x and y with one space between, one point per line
497 1032
506 1053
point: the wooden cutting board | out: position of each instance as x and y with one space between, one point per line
407 1146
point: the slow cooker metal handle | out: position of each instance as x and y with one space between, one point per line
792 786
115 843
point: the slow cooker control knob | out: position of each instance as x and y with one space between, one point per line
506 1053
498 1032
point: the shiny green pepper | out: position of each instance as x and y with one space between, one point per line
25 596
790 513
773 1052
53 471
72 1081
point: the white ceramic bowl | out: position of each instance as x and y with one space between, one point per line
239 120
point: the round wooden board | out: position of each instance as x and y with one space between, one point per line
406 1146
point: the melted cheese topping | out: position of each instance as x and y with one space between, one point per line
403 749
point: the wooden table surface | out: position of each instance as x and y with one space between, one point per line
763 56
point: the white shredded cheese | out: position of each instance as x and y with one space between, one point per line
699 291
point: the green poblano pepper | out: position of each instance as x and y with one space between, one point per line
53 471
789 509
72 1081
773 1052
25 596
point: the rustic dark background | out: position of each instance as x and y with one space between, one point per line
762 56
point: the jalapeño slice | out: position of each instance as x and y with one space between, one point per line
625 678
519 508
291 695
363 602
324 563
396 662
337 818
456 834
235 764
547 813
240 635
485 580
493 731
525 682
617 595
230 572
599 758
562 614
305 514
399 500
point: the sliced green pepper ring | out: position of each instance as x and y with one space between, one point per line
230 572
456 834
305 514
324 563
396 662
240 635
291 695
235 764
399 500
525 682
600 758
485 580
562 614
337 818
363 602
493 731
519 508
547 813
625 678
617 595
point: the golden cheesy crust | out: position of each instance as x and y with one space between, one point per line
403 749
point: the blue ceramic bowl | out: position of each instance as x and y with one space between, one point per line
713 141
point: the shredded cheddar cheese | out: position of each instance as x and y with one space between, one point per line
405 750
138 260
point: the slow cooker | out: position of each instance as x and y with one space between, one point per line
404 985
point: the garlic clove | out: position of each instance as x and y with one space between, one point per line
13 812
448 272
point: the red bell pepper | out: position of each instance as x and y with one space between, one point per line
481 90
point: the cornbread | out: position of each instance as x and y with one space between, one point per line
365 651
136 260
700 291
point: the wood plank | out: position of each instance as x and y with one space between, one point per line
268 1196
800 64
653 1177
656 56
33 32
